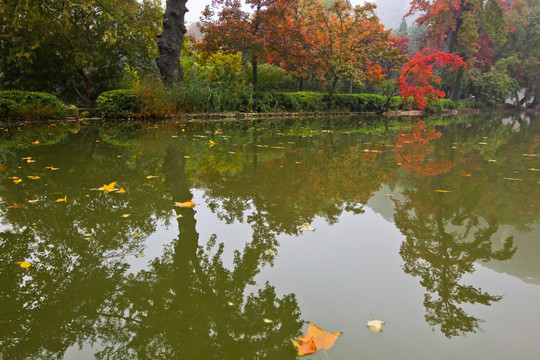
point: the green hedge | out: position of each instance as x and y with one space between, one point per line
118 103
124 103
26 105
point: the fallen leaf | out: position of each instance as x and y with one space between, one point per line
64 199
271 251
16 181
482 143
30 161
52 168
24 264
492 160
375 325
213 143
442 191
467 175
512 179
34 177
268 321
15 206
108 188
125 215
322 339
121 191
533 169
33 201
305 347
230 303
530 154
185 204
151 176
179 216
36 142
307 228
136 234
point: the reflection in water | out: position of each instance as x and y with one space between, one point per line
444 236
273 176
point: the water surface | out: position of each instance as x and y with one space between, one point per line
432 225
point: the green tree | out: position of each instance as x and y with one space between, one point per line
74 48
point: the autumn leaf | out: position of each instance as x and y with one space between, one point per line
34 177
24 264
533 169
36 142
16 181
52 168
271 251
33 201
375 325
125 215
268 321
64 199
186 204
121 191
442 191
15 206
307 228
108 188
322 339
213 143
305 348
151 176
512 179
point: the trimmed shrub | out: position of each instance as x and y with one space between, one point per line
26 105
118 103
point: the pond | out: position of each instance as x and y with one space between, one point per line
224 240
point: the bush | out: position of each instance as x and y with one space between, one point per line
118 103
356 102
26 105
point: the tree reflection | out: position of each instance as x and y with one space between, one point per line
79 288
444 238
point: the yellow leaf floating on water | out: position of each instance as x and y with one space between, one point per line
268 321
442 191
108 188
36 142
213 143
52 168
121 191
533 169
305 347
151 176
271 251
375 325
307 228
512 179
125 215
186 204
321 339
179 216
33 201
230 303
16 181
24 264
34 177
64 199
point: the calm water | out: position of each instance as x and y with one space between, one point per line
432 226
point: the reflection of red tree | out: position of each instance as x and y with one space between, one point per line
413 152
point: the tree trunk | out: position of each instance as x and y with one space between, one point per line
300 83
170 43
254 65
334 83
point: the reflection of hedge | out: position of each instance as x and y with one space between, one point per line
28 105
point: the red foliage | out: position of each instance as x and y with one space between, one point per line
417 77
